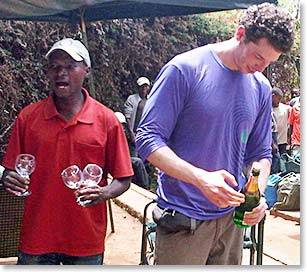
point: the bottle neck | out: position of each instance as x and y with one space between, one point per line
252 184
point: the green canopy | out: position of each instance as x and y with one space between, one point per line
94 10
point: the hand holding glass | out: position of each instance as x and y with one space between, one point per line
92 174
75 179
25 166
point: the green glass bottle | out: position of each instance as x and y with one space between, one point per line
252 196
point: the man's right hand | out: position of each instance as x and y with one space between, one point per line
14 183
215 185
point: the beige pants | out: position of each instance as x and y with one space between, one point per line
217 241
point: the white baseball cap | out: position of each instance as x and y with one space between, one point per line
121 118
143 80
74 48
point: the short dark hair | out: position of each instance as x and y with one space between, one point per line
271 22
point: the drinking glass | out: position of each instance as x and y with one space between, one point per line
25 166
72 177
92 174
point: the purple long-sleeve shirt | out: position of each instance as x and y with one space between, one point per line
210 116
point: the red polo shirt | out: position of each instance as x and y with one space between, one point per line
52 220
294 120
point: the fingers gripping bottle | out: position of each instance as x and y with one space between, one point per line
252 196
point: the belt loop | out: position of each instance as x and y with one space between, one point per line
193 225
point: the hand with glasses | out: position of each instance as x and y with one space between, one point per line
76 179
25 166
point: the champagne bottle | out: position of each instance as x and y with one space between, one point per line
252 196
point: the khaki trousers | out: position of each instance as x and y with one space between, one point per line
215 242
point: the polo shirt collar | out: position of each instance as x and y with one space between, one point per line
85 115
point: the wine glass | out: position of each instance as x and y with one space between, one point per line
92 174
72 177
25 166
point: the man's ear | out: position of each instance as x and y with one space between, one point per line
240 33
87 71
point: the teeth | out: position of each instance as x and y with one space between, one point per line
61 85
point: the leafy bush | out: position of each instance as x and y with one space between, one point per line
121 51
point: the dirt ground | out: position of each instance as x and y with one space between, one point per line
123 247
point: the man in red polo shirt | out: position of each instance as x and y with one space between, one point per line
69 127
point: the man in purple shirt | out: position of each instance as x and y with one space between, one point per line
208 116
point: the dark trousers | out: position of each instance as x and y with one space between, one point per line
275 168
58 258
140 174
282 148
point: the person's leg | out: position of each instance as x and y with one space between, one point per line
41 259
228 245
140 173
183 247
282 148
83 260
217 241
275 167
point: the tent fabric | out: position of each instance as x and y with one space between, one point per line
94 10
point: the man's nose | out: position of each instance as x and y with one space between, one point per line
262 65
61 70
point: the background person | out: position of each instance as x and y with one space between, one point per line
69 127
140 174
282 112
295 97
201 144
134 105
294 133
275 167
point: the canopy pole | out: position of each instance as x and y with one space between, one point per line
84 40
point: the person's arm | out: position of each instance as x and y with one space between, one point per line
128 112
212 184
290 130
97 194
259 149
264 174
274 147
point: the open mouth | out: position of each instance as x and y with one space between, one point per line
61 84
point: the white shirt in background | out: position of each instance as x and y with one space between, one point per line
282 113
